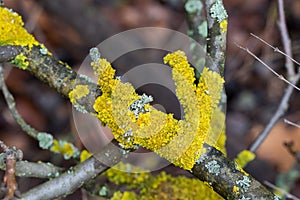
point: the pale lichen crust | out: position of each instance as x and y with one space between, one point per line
218 11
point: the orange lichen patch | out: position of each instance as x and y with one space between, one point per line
12 31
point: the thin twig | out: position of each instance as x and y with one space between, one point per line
12 107
11 156
292 150
3 146
279 112
76 176
283 104
276 49
285 39
10 176
288 195
34 170
268 67
291 123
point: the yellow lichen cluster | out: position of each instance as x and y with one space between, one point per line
158 187
84 155
20 61
67 149
236 189
179 141
223 26
12 31
105 74
78 92
244 157
124 196
154 128
199 102
127 174
217 136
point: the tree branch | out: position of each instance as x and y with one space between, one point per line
216 40
285 40
63 79
75 177
227 178
30 169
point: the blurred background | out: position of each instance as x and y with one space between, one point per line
69 28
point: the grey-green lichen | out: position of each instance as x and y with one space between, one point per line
218 11
244 183
276 197
95 54
193 6
103 191
88 79
202 29
245 198
203 156
190 32
213 167
80 108
45 140
139 105
44 51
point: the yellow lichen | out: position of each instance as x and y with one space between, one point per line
178 61
223 26
244 157
236 189
12 31
105 74
20 61
216 136
158 187
67 149
179 141
124 196
78 92
84 155
127 174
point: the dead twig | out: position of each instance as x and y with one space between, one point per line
288 195
285 39
12 155
291 123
